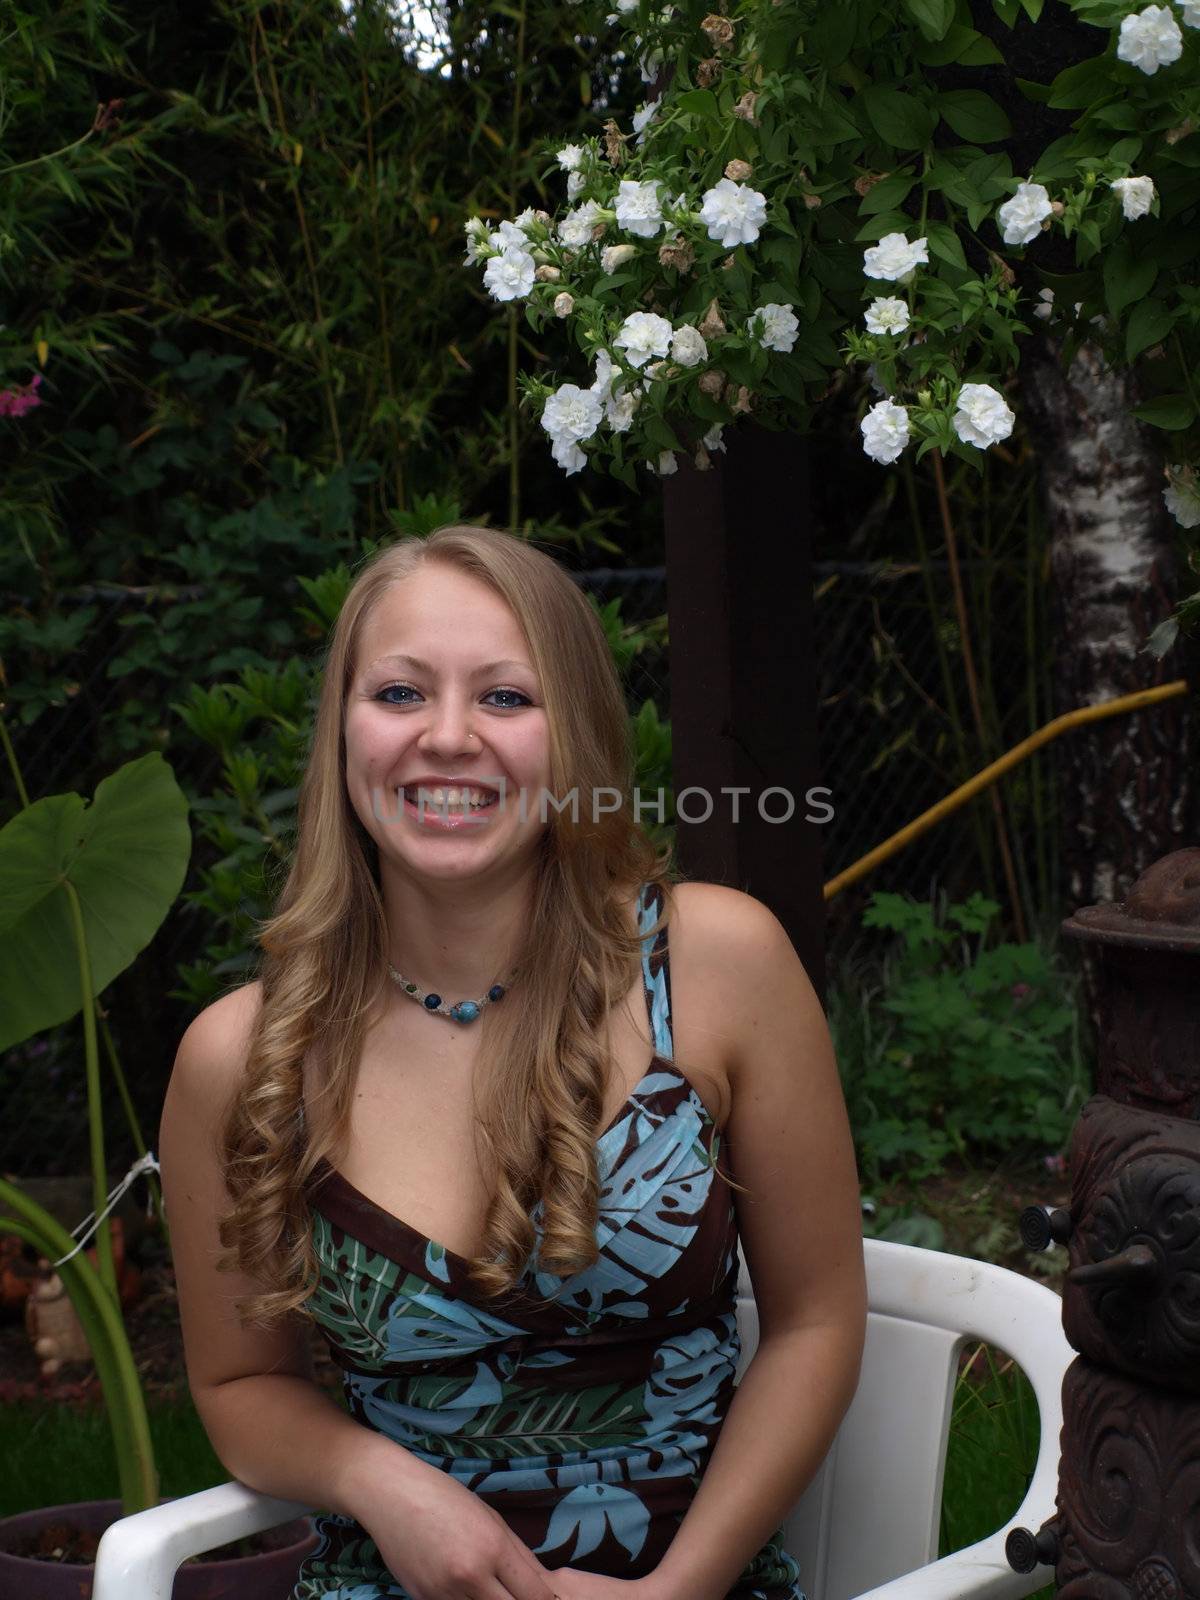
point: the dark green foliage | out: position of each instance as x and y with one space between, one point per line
956 1049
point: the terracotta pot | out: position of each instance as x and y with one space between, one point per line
270 1576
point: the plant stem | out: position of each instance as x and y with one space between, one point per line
960 607
14 768
131 1117
107 1340
514 435
310 259
104 1253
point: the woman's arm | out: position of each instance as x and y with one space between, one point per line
801 1226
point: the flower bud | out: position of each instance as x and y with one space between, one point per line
718 29
711 324
707 72
678 253
1058 208
614 143
812 201
741 401
745 107
711 383
738 170
616 255
546 274
564 304
702 460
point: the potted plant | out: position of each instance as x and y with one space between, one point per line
98 880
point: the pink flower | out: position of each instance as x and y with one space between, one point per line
1020 990
18 402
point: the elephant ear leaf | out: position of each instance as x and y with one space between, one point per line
125 854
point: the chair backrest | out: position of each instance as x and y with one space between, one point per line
872 1513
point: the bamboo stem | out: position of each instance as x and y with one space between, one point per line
973 692
104 1252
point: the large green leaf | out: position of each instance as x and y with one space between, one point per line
899 119
974 115
126 855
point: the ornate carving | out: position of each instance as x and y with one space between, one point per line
1129 1490
1132 1296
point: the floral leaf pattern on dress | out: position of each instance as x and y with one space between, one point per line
583 1410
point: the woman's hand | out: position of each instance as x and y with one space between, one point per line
570 1584
442 1542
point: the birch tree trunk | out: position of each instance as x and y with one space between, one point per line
1126 784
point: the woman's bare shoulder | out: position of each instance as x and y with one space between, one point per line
212 1052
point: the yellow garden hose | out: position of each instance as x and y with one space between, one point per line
1005 763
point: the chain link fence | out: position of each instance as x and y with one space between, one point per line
895 737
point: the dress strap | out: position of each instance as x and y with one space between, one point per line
656 971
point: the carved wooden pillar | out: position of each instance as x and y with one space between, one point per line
743 679
1128 1520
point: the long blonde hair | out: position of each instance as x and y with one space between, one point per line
323 970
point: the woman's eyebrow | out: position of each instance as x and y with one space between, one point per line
418 665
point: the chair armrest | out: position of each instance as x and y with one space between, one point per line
138 1556
979 1572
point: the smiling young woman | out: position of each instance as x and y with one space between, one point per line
494 1116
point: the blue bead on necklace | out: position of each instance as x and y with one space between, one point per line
464 1011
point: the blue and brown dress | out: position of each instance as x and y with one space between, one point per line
582 1409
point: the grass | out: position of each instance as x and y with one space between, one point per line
994 1431
54 1455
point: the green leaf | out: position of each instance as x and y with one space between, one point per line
125 855
960 44
1171 412
888 193
974 115
1150 323
944 243
1032 8
1126 279
1080 86
933 17
899 119
699 102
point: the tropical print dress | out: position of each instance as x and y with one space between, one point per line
583 1409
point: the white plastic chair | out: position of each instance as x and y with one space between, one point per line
867 1527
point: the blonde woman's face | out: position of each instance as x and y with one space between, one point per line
445 708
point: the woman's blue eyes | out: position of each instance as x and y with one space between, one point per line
389 688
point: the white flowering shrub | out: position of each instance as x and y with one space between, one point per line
804 194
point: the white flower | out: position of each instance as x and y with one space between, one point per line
564 304
1045 306
619 409
616 255
576 184
779 327
887 314
643 117
576 228
667 464
570 456
688 347
605 370
983 416
1182 496
712 439
732 212
512 235
649 64
644 334
1021 217
570 156
509 276
1135 195
894 258
1191 12
572 413
479 239
1150 39
624 7
885 431
639 208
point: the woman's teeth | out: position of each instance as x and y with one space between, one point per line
451 799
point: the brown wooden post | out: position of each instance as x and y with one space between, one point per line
743 679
